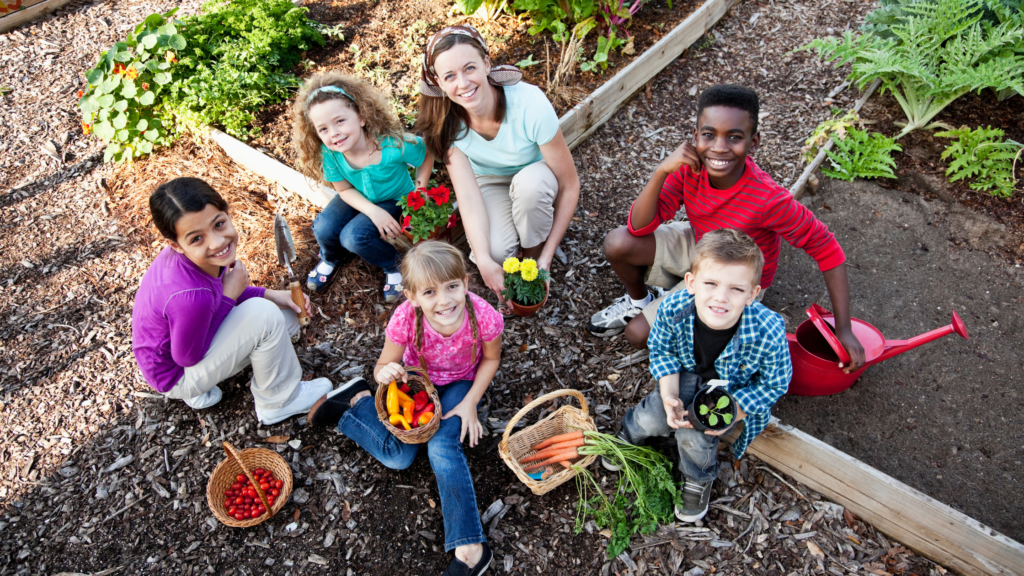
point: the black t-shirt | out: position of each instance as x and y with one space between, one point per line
708 345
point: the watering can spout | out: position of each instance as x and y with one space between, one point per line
894 347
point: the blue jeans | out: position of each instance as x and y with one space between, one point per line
454 483
340 228
698 452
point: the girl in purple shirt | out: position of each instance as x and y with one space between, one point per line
196 321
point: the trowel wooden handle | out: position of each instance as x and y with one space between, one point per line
299 299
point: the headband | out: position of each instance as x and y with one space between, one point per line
328 88
502 75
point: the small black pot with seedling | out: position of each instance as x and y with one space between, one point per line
713 409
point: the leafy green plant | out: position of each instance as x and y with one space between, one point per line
861 154
600 60
645 477
833 127
527 62
983 156
939 51
525 283
422 217
490 9
717 411
415 37
122 103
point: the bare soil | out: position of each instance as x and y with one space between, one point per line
98 473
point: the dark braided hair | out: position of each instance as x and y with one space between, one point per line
431 263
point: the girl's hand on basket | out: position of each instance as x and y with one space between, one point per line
392 372
470 422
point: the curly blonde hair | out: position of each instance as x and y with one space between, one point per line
367 101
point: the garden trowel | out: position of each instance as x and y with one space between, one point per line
286 255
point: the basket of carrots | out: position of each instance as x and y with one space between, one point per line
550 446
410 411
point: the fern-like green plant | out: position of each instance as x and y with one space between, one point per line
983 156
861 154
939 51
831 128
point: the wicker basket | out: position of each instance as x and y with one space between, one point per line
224 475
565 419
417 380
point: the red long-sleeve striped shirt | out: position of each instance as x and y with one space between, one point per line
756 205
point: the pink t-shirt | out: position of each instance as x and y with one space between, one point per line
448 358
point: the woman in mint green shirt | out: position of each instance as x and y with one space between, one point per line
347 135
510 166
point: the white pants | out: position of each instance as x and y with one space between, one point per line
256 333
520 209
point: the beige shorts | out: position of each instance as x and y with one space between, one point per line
674 244
520 209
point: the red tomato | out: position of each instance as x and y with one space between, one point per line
252 493
270 499
279 484
227 492
236 485
239 500
265 486
259 471
240 478
232 510
239 516
275 492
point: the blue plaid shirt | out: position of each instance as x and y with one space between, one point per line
755 362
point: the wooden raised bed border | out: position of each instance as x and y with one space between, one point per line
934 530
31 9
576 124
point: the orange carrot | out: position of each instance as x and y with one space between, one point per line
555 459
577 435
566 464
552 450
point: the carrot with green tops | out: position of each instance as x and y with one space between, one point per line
554 449
557 457
577 435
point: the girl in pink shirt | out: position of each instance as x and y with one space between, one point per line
456 336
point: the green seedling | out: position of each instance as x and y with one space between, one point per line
714 413
527 62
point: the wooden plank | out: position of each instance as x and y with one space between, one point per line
289 178
587 116
925 525
15 19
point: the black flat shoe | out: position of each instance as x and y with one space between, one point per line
329 409
459 568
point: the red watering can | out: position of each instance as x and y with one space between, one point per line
816 352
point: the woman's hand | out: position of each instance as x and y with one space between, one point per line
235 280
470 422
493 276
385 223
391 372
283 299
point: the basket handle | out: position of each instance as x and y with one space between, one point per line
232 453
549 396
422 373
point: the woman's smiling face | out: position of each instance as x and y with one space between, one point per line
462 74
207 238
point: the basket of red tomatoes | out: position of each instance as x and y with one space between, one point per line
248 487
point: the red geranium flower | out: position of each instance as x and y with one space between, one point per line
415 200
453 220
439 195
406 221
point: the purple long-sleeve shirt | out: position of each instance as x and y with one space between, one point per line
178 309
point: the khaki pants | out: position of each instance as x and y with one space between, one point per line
255 333
520 209
674 243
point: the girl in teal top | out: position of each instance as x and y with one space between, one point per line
345 134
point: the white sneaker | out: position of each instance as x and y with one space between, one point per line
205 400
613 319
309 393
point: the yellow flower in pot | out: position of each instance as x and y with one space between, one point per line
526 285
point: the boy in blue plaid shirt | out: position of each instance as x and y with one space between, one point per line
713 330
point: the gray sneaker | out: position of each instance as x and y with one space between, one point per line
613 319
211 397
696 497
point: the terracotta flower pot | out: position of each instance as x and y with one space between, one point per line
524 310
437 232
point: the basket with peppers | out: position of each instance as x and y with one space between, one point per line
409 410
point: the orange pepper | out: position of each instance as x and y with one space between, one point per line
407 408
392 398
397 419
425 418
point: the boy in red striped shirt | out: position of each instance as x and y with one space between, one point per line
720 187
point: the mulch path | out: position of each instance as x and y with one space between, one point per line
99 473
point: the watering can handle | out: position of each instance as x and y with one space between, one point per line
816 314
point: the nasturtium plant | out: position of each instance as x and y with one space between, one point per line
718 411
121 104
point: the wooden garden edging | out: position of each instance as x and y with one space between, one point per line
589 115
27 11
922 523
576 124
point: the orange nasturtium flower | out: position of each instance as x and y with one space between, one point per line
119 69
79 93
131 73
145 86
86 128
